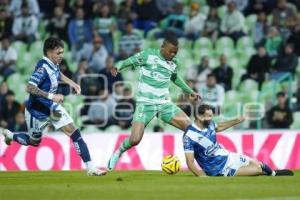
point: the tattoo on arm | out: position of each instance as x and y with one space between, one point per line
34 90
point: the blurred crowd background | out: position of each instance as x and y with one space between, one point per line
242 56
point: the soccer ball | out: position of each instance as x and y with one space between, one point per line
170 164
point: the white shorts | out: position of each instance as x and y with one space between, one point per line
36 126
234 162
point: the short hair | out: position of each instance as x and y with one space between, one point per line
211 75
171 38
280 94
201 108
51 44
10 92
129 22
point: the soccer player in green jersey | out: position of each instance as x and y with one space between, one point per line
157 69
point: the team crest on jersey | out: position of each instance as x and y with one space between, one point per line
140 60
40 70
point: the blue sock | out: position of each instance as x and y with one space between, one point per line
21 138
81 146
266 169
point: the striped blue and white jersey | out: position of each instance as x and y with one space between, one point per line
208 153
46 77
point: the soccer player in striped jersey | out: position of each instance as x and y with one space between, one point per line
200 144
157 68
44 106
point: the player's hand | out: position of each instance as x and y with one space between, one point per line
195 97
58 98
114 71
241 119
77 88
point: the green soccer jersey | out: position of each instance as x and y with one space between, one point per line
155 75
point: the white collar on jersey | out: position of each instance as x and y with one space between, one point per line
198 128
50 62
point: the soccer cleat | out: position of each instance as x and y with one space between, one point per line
96 172
284 172
113 161
6 138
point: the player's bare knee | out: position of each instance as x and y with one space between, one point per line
134 140
69 129
256 165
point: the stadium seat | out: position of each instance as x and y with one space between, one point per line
20 92
296 122
245 55
233 62
204 9
238 72
224 42
116 38
250 96
75 100
13 81
156 43
70 61
139 32
199 53
250 21
184 43
227 51
222 11
20 47
151 33
244 43
248 85
269 90
25 63
202 43
183 53
214 62
36 54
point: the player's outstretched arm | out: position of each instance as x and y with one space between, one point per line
34 90
122 65
71 83
189 156
225 125
180 83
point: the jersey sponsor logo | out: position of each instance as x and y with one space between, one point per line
154 60
35 78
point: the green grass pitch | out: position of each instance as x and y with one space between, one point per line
142 185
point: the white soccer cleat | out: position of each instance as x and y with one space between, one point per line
5 133
96 172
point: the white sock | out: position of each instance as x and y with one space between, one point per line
89 165
273 173
10 134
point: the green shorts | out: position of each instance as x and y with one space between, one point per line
145 113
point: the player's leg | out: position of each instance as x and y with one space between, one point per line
66 125
142 116
252 169
173 115
34 135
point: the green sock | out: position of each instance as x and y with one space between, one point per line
125 145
